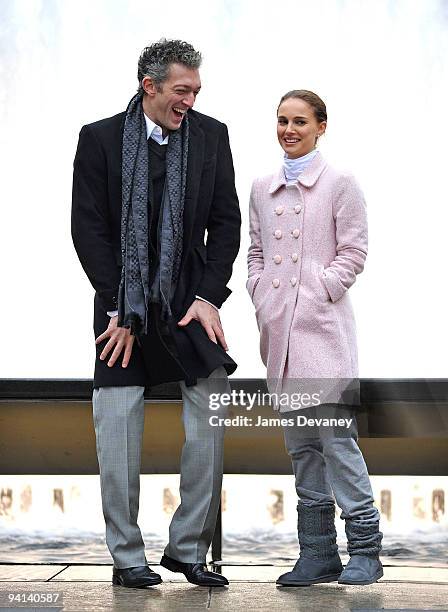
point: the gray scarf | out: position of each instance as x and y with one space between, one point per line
135 294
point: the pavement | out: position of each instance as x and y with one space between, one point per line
252 587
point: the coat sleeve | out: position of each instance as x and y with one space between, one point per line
223 228
349 210
255 260
90 223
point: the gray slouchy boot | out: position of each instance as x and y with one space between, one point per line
319 560
363 546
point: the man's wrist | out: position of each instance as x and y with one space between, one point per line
112 313
198 297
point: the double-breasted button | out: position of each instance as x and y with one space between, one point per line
297 208
277 258
278 234
294 257
293 281
295 233
276 282
279 210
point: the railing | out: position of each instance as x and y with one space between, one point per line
46 427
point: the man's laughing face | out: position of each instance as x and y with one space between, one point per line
166 104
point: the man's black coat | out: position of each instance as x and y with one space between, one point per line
211 205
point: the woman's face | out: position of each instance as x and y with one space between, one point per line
297 127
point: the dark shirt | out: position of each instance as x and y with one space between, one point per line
157 173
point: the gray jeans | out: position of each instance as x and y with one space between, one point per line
327 461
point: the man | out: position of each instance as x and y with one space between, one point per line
148 183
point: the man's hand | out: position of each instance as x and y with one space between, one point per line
121 338
208 317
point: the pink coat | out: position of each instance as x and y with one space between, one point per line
308 243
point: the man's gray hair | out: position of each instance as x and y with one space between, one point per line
155 60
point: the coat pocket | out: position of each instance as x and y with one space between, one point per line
261 291
210 162
251 284
321 291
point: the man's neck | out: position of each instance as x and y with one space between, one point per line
148 112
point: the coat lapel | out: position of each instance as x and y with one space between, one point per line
313 171
195 163
308 177
277 181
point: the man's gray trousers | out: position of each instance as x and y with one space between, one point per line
118 414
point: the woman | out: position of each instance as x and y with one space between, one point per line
308 231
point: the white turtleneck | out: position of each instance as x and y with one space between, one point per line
293 167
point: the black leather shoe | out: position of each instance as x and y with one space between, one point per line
135 577
196 573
